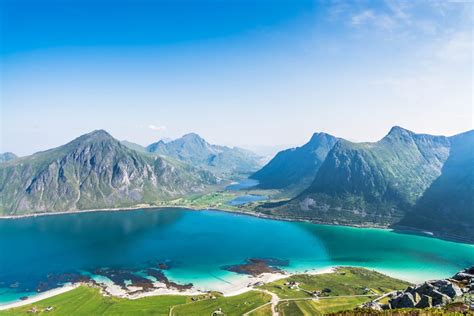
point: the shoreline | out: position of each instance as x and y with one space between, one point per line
248 212
240 285
40 296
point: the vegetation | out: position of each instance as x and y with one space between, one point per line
335 289
89 301
223 161
233 305
93 171
345 281
319 307
296 167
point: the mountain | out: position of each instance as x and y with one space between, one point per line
372 183
447 206
7 156
133 146
221 160
93 171
296 166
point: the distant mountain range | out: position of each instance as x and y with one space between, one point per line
7 156
223 161
405 179
93 171
296 167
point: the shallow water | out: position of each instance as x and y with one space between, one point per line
242 185
197 244
244 199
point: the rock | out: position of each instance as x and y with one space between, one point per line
451 290
425 302
372 305
416 297
440 283
406 300
425 288
462 276
439 299
385 306
470 270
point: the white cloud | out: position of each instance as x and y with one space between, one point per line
363 17
156 128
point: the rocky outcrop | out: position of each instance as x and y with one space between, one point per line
436 293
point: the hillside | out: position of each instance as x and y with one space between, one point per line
92 171
223 161
296 166
371 183
447 206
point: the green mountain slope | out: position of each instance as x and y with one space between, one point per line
223 161
371 183
447 206
7 156
92 171
295 166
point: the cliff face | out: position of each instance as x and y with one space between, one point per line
92 171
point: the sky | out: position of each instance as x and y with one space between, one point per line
256 74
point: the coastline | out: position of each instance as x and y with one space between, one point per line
240 285
222 208
40 296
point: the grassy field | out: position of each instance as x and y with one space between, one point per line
89 301
234 305
345 281
321 307
263 311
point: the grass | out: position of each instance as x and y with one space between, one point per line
321 307
89 301
345 281
263 311
234 305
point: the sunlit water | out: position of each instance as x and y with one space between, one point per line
197 244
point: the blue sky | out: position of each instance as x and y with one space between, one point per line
249 73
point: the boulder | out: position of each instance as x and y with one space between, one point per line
451 290
440 283
470 270
462 276
425 302
439 299
405 300
425 288
373 305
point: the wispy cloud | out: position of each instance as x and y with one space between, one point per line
378 19
156 128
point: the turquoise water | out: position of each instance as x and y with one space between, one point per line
196 244
244 199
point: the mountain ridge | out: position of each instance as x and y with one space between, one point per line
93 171
295 166
224 161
